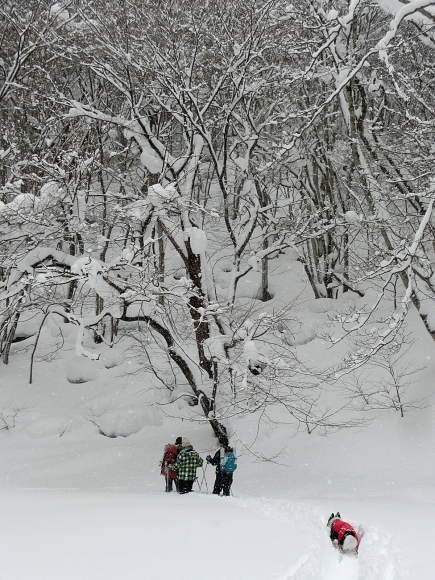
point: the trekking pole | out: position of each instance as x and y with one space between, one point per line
166 475
204 477
197 481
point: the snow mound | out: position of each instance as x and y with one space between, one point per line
321 305
301 331
48 426
28 324
127 420
112 359
62 329
82 370
225 266
249 286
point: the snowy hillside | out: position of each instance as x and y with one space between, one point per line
217 222
78 503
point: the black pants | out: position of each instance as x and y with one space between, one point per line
185 485
169 483
223 483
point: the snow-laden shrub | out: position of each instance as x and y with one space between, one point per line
7 417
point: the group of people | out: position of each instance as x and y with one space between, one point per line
180 462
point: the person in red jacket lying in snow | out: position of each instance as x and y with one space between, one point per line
343 533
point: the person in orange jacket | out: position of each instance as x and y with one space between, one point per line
343 533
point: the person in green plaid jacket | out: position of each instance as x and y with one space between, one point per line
186 464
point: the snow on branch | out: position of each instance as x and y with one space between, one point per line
404 12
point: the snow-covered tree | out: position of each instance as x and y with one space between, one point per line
181 153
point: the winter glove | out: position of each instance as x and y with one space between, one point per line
208 458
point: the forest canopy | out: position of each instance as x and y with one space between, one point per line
157 158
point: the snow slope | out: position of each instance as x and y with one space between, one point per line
77 501
69 535
76 504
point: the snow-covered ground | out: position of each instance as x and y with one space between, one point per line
68 534
76 504
72 535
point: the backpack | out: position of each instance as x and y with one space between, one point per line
228 463
170 453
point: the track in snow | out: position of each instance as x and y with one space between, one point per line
378 557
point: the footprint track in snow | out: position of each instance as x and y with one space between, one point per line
378 558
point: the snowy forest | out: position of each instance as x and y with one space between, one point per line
158 157
234 197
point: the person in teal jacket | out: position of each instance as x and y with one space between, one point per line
186 465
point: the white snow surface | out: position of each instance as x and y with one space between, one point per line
77 504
